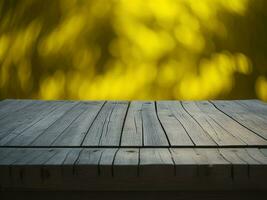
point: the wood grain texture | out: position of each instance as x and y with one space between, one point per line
211 163
33 117
49 135
175 130
126 163
185 162
10 106
196 132
109 168
213 122
249 122
155 161
121 145
255 106
107 127
133 124
106 162
14 120
29 135
74 134
258 172
153 133
87 163
133 128
29 168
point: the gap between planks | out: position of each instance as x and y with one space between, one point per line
140 147
160 145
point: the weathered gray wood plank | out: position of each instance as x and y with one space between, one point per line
56 129
31 155
4 102
156 162
126 163
5 106
10 106
4 152
74 134
197 134
106 162
240 168
212 163
33 116
257 155
68 165
247 119
255 106
172 125
87 163
238 156
244 166
153 134
114 126
12 156
13 170
9 172
203 162
133 128
140 123
107 128
52 168
185 162
213 122
45 167
258 172
72 156
22 116
27 166
33 172
30 134
7 157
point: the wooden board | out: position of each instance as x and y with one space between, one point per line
137 145
126 163
33 132
55 167
249 120
196 132
107 127
212 121
153 133
15 122
132 133
173 126
156 162
74 134
133 124
32 117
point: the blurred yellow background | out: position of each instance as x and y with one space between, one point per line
133 49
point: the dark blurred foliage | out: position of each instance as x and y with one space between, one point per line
121 49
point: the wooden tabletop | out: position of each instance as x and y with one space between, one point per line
128 145
133 124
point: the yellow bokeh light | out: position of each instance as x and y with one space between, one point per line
261 87
120 49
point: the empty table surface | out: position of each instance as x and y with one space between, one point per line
133 145
133 124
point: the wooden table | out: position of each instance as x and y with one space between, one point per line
137 145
